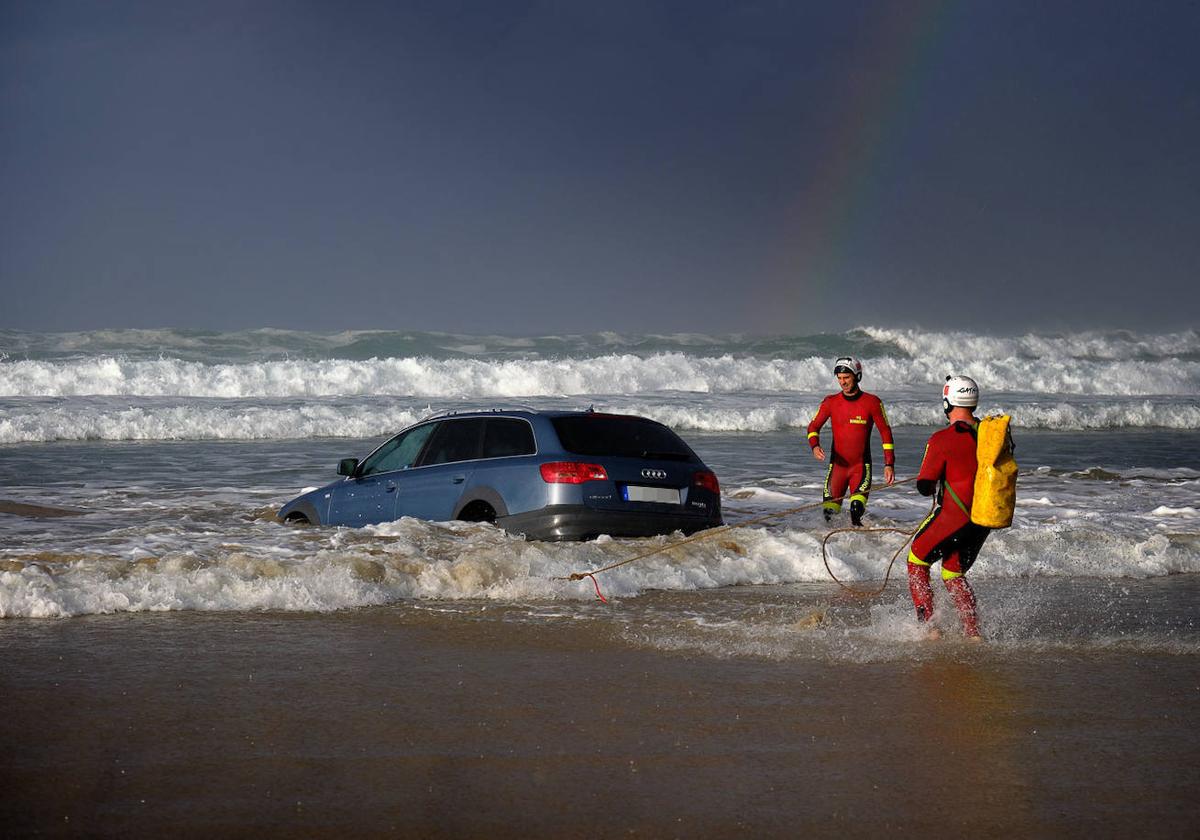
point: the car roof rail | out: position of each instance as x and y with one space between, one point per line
512 407
450 412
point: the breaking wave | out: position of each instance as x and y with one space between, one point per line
613 374
865 342
113 419
142 419
318 571
177 384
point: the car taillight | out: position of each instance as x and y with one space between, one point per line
707 480
572 472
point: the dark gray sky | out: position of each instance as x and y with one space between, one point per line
547 167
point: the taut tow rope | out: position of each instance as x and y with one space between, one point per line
713 532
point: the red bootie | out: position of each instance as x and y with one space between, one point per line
964 600
922 593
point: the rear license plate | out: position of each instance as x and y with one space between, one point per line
662 495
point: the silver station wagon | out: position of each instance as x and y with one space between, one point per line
549 475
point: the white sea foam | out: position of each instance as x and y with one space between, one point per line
1184 512
1027 413
318 570
690 382
139 418
611 374
1049 348
206 421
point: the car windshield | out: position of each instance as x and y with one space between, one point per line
626 437
398 453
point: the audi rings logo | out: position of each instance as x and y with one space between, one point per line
659 474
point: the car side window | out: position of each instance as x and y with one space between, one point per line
455 440
505 437
399 453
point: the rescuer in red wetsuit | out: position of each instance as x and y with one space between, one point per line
852 413
948 535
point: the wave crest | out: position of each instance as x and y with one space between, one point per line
612 374
150 419
316 571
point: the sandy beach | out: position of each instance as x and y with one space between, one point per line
403 722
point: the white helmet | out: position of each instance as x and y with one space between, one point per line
960 391
848 364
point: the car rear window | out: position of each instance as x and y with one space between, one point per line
626 437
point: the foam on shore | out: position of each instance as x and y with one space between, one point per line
274 567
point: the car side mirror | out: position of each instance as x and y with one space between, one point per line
347 466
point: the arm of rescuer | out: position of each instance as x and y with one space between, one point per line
814 429
933 467
889 447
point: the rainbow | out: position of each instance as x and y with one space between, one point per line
873 107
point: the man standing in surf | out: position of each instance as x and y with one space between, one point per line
852 413
949 535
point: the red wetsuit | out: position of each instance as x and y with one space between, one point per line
851 420
947 534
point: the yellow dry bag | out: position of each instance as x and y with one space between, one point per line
996 477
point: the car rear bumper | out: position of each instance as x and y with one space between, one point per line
578 522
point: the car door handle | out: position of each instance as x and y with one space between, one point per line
391 488
459 479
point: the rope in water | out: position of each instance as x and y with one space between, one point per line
863 593
713 532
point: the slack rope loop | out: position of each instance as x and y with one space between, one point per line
862 593
713 532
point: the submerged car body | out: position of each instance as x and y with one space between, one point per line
549 475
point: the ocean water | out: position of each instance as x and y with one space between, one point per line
178 662
172 450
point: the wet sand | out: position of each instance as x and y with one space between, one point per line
388 721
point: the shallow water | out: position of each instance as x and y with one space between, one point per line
189 525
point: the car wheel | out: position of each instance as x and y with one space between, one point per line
477 511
